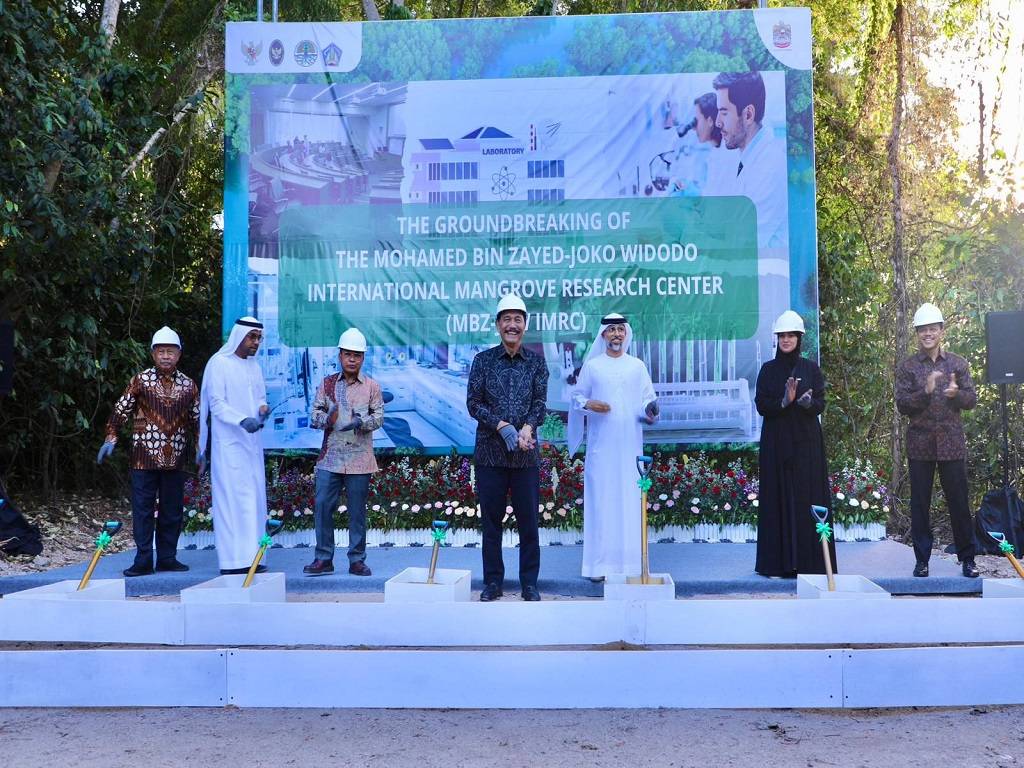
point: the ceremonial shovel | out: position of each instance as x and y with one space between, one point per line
824 530
109 529
643 466
273 527
1007 549
437 531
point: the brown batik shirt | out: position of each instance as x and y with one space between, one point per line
166 413
935 432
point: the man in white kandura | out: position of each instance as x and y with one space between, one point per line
234 395
615 396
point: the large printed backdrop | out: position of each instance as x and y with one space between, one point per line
402 176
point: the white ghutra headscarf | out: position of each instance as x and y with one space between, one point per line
576 428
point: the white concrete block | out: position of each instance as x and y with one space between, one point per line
410 586
148 622
541 679
265 588
112 678
848 587
902 621
96 589
1002 588
622 587
502 623
932 677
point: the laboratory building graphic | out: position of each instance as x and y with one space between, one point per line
484 165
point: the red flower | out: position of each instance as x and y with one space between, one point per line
730 473
716 490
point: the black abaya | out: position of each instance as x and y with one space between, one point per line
793 471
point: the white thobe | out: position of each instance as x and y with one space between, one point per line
236 391
611 496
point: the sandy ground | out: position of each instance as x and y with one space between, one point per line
226 738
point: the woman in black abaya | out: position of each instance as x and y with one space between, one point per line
794 475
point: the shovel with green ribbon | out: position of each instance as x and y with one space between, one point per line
106 534
437 531
643 467
272 529
1007 549
824 531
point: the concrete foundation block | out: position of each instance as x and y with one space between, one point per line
410 586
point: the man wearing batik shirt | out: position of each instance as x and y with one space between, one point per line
163 404
348 407
932 387
506 394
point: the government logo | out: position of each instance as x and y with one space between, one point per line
276 52
251 51
332 55
305 53
782 35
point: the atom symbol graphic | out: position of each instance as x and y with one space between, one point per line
504 185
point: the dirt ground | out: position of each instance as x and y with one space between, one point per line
69 526
987 737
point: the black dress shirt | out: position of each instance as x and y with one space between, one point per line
506 388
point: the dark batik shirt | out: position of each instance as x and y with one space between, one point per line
504 388
935 432
166 414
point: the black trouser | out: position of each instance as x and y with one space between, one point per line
147 484
493 486
953 476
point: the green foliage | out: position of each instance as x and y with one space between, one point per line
92 261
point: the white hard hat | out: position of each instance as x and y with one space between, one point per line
352 340
927 314
165 336
510 302
789 322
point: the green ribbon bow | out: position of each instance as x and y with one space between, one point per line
645 484
824 530
102 540
1006 547
438 534
265 541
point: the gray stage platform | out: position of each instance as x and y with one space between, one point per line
698 569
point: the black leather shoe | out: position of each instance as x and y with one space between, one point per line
319 567
360 569
171 565
921 569
970 569
489 593
138 570
531 595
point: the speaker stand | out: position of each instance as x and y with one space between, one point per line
1011 535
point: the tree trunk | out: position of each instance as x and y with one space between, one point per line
981 133
108 20
898 257
370 10
108 26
